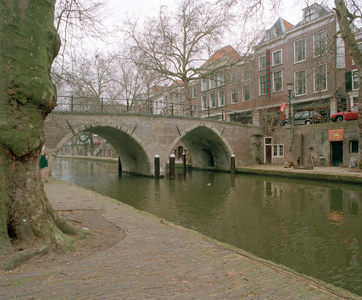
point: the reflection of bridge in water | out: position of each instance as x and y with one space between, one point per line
138 138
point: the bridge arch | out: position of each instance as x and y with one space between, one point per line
128 145
207 147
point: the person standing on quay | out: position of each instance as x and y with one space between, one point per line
44 170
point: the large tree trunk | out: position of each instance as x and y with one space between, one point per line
28 46
344 20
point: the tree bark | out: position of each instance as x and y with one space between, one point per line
29 44
345 21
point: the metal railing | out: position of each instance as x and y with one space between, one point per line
90 105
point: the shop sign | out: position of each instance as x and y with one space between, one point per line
336 135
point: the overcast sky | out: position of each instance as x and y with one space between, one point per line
290 11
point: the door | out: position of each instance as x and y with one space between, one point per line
268 150
268 154
337 153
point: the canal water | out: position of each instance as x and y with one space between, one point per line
312 227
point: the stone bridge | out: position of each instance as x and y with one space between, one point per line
138 138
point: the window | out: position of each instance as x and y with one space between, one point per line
221 98
355 80
320 43
262 85
353 147
262 63
234 96
300 83
183 97
203 84
220 78
246 74
309 15
212 81
204 102
184 111
277 58
299 50
270 34
194 92
246 93
320 78
278 151
212 100
234 77
278 81
195 110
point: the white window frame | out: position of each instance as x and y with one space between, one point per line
212 81
203 84
195 110
204 102
194 92
315 79
260 85
219 98
244 89
354 76
262 63
220 78
246 74
234 77
296 83
281 85
281 57
211 101
278 150
314 43
305 51
234 92
310 16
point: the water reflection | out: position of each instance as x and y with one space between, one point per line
314 228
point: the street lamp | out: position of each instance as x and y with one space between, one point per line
290 88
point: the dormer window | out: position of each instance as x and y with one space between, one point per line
309 15
270 34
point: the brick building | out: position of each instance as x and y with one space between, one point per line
251 88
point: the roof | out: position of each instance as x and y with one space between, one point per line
287 25
227 51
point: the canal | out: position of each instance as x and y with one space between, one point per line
312 227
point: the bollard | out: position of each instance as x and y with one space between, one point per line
157 166
184 161
119 166
172 166
232 164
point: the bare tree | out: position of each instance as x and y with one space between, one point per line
349 16
174 43
90 78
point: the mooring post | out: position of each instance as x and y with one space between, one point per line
119 165
184 161
172 166
157 166
232 164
